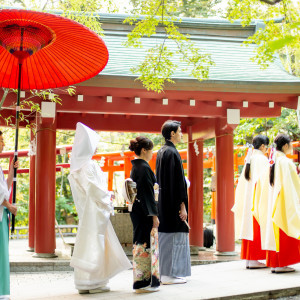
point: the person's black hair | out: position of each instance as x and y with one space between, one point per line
280 141
139 143
168 127
260 140
256 142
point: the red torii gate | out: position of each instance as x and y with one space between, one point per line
114 101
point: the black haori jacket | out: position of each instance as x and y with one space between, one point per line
172 189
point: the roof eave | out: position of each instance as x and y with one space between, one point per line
131 82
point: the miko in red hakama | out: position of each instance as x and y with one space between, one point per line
251 250
288 254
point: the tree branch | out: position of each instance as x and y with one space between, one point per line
270 2
44 7
6 91
160 54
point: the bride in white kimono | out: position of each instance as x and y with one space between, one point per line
98 255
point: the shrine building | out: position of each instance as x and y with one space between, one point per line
115 101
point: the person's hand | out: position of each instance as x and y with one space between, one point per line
155 222
14 165
183 212
13 209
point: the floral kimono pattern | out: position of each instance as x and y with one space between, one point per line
146 263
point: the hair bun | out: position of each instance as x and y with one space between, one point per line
139 143
133 144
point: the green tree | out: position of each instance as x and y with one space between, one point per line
186 8
159 64
280 35
287 123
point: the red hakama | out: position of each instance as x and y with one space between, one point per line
288 254
251 250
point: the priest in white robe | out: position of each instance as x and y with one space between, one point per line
98 255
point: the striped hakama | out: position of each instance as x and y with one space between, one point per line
174 254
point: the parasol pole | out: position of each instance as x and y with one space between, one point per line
16 146
17 133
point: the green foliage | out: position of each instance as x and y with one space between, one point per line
207 175
22 199
65 210
186 8
280 35
83 12
287 123
31 103
156 69
159 64
65 207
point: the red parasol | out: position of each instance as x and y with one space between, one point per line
42 51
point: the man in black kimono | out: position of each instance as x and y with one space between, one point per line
174 250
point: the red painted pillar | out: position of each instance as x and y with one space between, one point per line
127 166
213 193
45 243
225 188
110 174
31 218
195 191
152 163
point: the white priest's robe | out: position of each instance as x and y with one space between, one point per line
244 206
97 255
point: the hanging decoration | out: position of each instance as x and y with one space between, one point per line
196 148
207 152
122 150
102 161
32 148
249 153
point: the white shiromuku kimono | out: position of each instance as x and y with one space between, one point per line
245 208
97 255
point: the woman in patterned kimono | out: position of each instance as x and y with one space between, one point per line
144 219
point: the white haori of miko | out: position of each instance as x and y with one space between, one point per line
244 206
